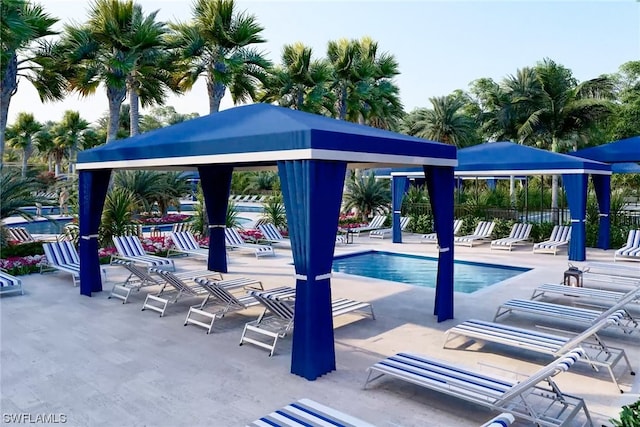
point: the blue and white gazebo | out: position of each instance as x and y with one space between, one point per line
311 154
494 159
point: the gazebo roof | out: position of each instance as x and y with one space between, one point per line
622 151
260 135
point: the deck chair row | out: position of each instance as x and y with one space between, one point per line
596 353
631 249
536 399
386 232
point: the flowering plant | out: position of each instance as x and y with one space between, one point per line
251 234
166 219
17 265
349 220
157 245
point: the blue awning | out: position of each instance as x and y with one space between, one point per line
262 134
624 150
625 167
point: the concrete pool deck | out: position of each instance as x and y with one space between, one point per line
103 363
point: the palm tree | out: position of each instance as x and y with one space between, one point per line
117 214
300 82
146 186
217 44
563 109
114 47
25 53
44 144
366 194
445 123
343 54
70 134
16 193
23 132
173 186
150 76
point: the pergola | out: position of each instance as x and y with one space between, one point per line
311 154
507 159
622 151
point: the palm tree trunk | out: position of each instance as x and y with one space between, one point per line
26 153
512 190
116 98
216 92
8 89
134 112
58 169
343 103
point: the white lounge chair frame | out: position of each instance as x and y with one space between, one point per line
596 352
159 302
272 234
138 278
235 241
537 399
608 297
186 244
481 234
62 256
519 233
306 412
384 232
10 284
225 302
130 248
628 324
631 250
279 305
560 236
375 223
433 237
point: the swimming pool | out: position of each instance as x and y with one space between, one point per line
421 271
57 226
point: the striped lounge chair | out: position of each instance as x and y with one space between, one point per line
130 248
62 256
279 303
305 413
560 236
433 237
10 284
235 241
481 234
185 243
631 249
596 353
536 399
519 233
272 234
385 232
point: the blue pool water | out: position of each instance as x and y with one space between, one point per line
57 226
421 271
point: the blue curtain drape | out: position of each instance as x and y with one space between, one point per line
312 192
440 184
602 186
575 186
92 191
398 189
216 184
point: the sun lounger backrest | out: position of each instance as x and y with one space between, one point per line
233 237
484 228
613 319
221 293
520 231
280 308
555 233
404 222
559 365
61 253
270 231
185 241
21 234
565 234
457 225
129 246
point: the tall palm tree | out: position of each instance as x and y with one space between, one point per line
16 193
301 82
23 131
563 110
217 43
445 123
25 52
343 55
45 145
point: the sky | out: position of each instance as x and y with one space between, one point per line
441 46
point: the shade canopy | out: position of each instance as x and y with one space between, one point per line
624 150
260 135
625 167
508 158
493 159
311 154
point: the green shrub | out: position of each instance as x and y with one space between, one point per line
21 250
629 416
541 231
502 228
422 224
